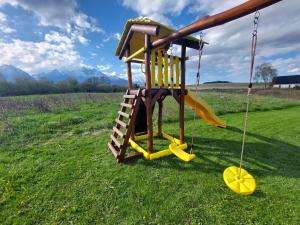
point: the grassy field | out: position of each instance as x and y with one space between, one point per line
55 167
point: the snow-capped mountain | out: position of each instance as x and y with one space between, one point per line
80 74
11 73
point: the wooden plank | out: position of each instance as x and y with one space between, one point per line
118 132
115 140
158 95
113 150
123 109
131 124
129 96
181 105
127 105
134 156
121 123
135 54
148 97
124 114
141 28
159 122
129 74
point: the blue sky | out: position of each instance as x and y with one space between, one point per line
39 36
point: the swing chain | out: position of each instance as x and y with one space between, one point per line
253 52
201 35
199 56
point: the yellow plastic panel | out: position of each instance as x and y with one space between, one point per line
177 71
166 69
203 109
153 68
240 182
159 69
138 148
176 150
172 71
170 138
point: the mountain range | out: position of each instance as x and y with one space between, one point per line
11 73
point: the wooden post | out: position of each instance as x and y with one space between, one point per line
148 92
159 122
182 88
129 74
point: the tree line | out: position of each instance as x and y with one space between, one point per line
29 87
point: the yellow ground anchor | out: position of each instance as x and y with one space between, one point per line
174 148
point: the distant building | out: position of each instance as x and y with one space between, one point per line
286 81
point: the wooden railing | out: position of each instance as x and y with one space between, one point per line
165 69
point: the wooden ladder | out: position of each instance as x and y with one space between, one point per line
125 126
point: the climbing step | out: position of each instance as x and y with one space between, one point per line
115 140
123 124
118 145
127 105
118 132
129 96
124 114
113 150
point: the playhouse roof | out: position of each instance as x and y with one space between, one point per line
138 39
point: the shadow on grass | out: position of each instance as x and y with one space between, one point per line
265 157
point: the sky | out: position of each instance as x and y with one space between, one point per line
41 35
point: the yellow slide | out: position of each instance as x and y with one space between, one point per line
203 109
176 150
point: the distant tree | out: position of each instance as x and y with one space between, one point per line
265 73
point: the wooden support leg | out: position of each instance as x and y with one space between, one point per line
159 122
181 105
148 97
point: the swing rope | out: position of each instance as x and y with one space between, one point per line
253 53
197 82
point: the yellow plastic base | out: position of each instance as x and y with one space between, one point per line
242 183
176 150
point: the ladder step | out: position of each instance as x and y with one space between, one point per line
124 114
113 150
129 96
134 156
115 141
118 132
126 105
121 123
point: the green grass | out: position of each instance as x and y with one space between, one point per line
55 167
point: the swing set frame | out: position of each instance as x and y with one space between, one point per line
153 39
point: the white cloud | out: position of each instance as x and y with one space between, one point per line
228 52
117 36
4 28
157 9
104 67
63 14
227 55
55 51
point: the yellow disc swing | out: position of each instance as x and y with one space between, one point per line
236 178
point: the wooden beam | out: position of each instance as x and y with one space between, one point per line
181 105
215 20
152 30
129 73
159 122
141 28
138 52
158 95
148 97
188 43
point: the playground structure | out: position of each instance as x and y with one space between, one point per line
147 42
